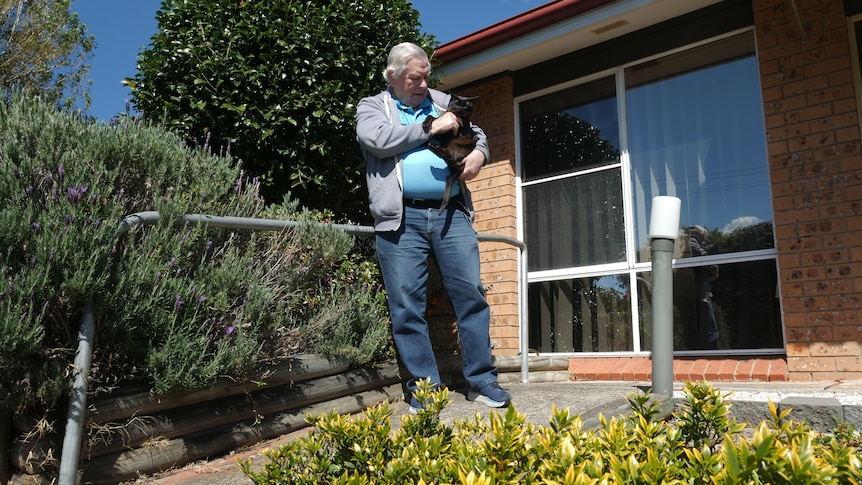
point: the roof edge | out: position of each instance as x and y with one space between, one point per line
521 24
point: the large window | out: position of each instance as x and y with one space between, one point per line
593 155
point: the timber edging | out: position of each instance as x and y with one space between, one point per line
142 434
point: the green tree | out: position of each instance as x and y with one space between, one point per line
276 82
44 49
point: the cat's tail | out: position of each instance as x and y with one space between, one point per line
446 193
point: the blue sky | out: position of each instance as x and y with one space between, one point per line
122 29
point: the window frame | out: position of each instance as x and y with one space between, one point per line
631 265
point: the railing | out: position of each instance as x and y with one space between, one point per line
78 402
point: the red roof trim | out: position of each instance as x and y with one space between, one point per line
517 26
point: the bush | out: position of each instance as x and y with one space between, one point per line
176 306
638 449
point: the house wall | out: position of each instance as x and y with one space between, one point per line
813 143
815 161
496 210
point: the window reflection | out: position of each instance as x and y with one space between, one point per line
581 315
743 307
572 130
696 132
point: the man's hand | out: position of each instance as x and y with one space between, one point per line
445 123
472 164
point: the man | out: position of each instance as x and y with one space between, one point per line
406 182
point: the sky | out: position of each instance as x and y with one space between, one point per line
123 28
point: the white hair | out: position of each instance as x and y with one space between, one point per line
399 56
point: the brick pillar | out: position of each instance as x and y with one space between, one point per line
496 213
813 142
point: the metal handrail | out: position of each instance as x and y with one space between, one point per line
78 402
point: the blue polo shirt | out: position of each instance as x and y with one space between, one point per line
424 172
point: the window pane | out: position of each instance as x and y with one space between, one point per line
581 315
569 130
738 309
696 132
575 221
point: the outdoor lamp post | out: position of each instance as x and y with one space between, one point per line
663 231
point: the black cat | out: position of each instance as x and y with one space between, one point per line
453 147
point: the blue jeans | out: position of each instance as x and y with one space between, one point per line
450 237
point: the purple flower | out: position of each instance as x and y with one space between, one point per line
60 173
122 192
36 227
76 194
238 185
229 330
158 276
178 303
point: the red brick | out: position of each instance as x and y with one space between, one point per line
698 370
644 369
728 369
760 369
628 370
713 370
778 370
744 368
682 369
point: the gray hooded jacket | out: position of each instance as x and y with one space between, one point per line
384 140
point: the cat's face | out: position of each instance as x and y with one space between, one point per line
462 106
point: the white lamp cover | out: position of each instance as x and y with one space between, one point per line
664 217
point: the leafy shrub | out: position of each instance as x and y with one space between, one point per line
176 304
504 449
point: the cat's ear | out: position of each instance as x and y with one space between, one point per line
463 98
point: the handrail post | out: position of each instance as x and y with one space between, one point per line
78 400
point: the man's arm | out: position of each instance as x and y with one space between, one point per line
380 136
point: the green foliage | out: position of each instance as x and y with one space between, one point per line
44 48
504 449
705 417
279 81
176 304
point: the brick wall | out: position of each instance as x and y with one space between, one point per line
813 142
495 201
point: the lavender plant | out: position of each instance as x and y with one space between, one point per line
175 306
